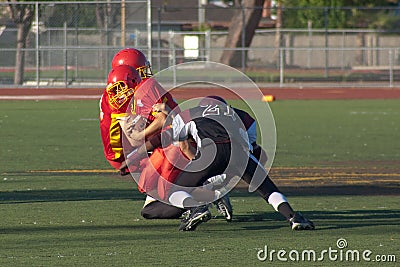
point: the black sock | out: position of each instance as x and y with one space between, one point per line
190 203
286 210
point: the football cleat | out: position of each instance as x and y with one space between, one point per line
298 222
224 207
124 170
196 216
185 215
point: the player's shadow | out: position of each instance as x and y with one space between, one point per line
328 219
258 220
29 196
324 220
140 229
355 218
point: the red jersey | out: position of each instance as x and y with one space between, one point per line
148 93
160 169
111 132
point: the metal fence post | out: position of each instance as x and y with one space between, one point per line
208 44
243 38
159 38
136 40
123 23
37 45
342 52
309 54
326 41
65 55
149 35
390 68
281 66
172 55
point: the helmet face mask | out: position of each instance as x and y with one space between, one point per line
122 82
145 71
134 58
119 93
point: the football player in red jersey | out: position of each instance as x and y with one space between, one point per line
114 104
162 162
114 113
148 93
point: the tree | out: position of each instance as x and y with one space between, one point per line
22 15
337 13
342 14
241 31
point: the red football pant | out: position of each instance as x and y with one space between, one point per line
161 170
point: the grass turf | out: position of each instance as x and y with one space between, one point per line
79 218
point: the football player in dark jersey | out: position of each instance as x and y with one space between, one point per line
221 148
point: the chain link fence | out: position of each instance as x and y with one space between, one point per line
72 44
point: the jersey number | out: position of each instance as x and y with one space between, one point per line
216 110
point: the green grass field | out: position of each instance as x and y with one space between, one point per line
60 204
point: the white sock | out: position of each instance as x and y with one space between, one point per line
218 194
177 198
275 199
148 200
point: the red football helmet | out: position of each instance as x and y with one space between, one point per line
134 58
121 84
